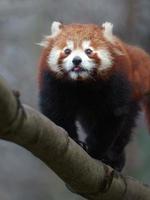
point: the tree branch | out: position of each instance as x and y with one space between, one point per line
50 143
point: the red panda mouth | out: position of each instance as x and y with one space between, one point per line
78 69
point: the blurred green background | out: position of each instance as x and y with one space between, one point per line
22 24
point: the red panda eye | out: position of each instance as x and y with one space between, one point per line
88 51
67 51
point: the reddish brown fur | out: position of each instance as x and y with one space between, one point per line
133 61
77 32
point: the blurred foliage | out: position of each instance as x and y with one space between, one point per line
22 24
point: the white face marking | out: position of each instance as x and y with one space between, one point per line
73 75
70 44
106 59
86 44
53 59
108 31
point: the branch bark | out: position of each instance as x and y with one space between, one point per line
50 143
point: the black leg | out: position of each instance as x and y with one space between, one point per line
101 132
108 136
101 145
116 161
116 156
57 106
61 116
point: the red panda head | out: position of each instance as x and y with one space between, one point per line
78 51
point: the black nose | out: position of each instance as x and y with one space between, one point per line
76 60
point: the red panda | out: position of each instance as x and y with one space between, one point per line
88 74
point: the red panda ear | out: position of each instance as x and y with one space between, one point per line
56 28
108 31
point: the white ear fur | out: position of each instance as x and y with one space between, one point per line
55 28
44 42
108 31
